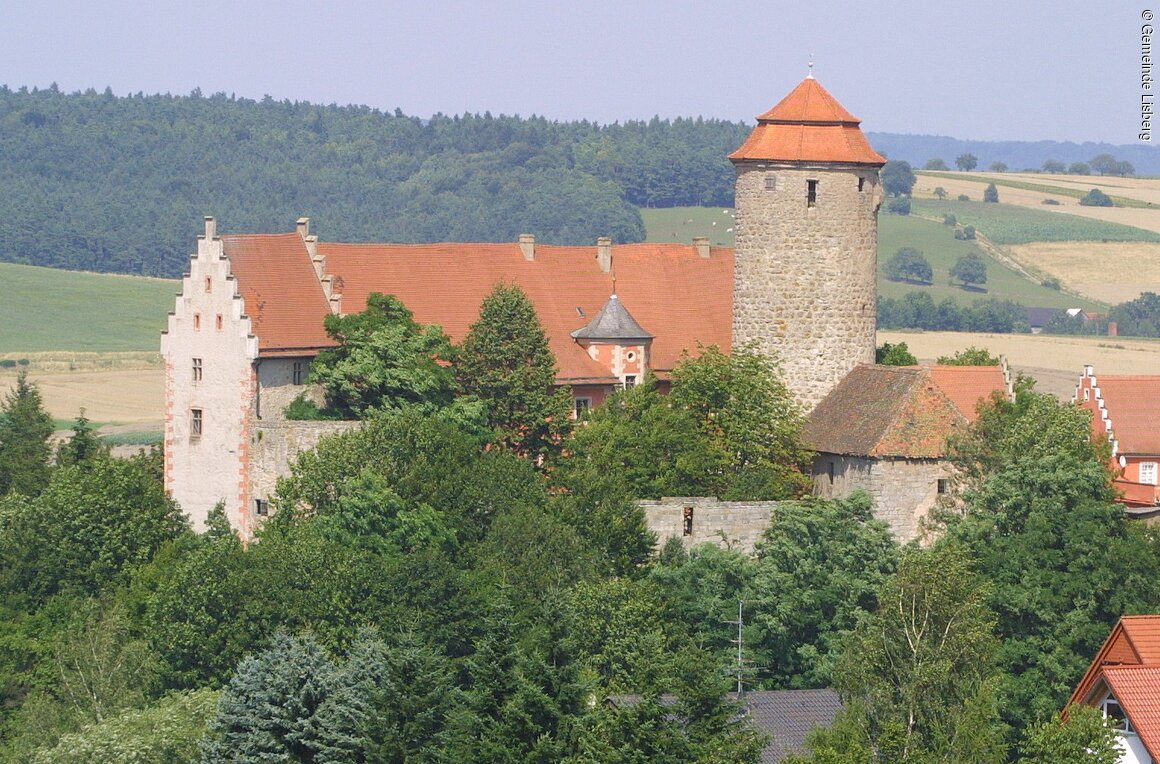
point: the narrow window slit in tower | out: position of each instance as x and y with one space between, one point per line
688 518
811 193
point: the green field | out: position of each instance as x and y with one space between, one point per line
1010 224
934 240
45 309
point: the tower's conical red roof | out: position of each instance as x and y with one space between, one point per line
808 125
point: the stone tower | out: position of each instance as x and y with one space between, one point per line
807 198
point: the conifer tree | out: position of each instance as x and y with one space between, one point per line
25 429
506 362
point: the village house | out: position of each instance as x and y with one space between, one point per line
884 430
799 287
1125 410
1123 681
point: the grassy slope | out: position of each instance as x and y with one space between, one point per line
45 309
935 240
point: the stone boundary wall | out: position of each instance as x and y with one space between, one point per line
736 525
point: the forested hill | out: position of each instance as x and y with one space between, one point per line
98 182
93 181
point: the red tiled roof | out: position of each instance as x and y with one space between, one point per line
967 386
675 294
883 411
1134 641
808 125
282 294
1138 690
1133 403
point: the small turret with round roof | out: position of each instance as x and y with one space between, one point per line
807 197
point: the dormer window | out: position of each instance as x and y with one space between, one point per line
1112 710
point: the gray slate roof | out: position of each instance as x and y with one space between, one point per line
787 716
613 322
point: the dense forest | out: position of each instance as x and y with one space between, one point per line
98 182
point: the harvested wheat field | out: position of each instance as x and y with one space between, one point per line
123 392
1111 272
1055 362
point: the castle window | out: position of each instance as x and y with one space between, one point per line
196 320
1087 394
581 406
195 423
298 375
861 183
770 182
196 369
688 521
261 507
1148 473
219 322
944 485
811 193
629 381
830 471
630 356
209 283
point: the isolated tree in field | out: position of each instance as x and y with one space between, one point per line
940 192
1053 166
909 264
1104 164
970 270
894 355
966 162
897 178
998 167
991 194
505 362
935 164
1096 198
1079 168
385 360
25 429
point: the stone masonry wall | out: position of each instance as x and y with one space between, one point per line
734 525
903 490
805 277
275 444
277 388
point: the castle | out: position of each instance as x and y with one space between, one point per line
799 287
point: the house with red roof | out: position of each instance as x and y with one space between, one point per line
1126 410
1123 681
884 430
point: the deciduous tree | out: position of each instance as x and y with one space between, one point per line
909 264
897 178
970 270
966 162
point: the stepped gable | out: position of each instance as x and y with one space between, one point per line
1133 402
283 297
808 125
884 411
672 288
613 322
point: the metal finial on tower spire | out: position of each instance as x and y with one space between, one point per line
810 75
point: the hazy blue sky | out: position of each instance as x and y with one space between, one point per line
1014 69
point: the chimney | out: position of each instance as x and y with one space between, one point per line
702 245
303 227
604 253
528 246
210 228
